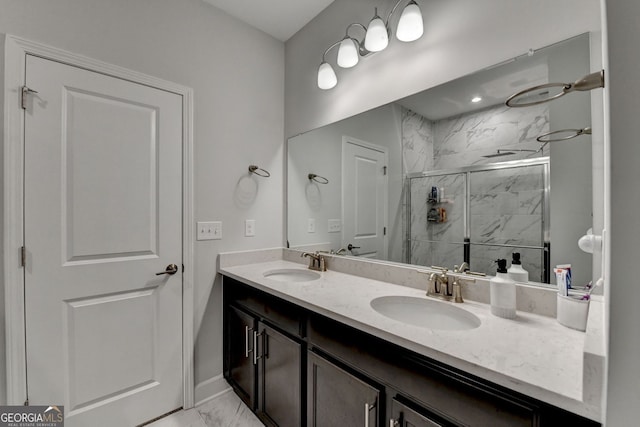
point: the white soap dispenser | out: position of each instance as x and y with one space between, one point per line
503 292
516 272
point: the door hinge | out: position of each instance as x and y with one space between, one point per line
23 96
384 170
23 256
384 231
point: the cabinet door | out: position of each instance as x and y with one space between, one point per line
240 342
337 398
403 416
280 378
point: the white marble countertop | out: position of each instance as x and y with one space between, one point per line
533 354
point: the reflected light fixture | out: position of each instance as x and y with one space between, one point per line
376 38
476 99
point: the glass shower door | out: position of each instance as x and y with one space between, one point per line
436 219
507 214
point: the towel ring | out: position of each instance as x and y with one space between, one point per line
317 178
259 171
567 134
527 97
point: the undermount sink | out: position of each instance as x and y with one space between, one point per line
291 275
425 313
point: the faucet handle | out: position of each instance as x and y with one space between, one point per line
457 291
457 288
322 263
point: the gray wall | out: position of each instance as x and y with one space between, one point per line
320 151
3 359
623 23
238 116
458 34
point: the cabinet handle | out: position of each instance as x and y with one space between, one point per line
255 346
246 341
367 409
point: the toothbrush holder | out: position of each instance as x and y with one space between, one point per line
573 311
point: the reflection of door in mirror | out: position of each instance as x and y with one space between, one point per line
364 194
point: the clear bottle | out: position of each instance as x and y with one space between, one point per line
503 292
516 272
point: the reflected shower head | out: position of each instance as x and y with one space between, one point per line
499 153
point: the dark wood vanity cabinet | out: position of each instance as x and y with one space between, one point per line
241 369
337 397
404 416
264 364
280 379
294 367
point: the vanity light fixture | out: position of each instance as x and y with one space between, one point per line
376 38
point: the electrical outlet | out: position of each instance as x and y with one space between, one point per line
250 227
334 226
209 230
311 225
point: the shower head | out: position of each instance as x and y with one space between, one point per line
499 153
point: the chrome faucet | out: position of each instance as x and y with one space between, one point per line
463 268
439 284
316 261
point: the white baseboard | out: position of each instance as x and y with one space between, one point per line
210 389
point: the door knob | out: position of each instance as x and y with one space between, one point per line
350 247
170 270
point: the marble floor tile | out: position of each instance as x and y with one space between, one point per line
189 418
225 410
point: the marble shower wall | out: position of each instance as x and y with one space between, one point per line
504 203
417 142
433 242
506 208
417 156
464 140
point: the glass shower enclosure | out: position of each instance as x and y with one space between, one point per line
481 213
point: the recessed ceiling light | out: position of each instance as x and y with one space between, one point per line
476 99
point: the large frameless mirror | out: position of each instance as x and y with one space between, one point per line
453 174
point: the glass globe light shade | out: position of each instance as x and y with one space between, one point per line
347 53
326 76
410 26
376 38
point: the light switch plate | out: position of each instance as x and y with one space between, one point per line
209 230
334 226
250 227
311 225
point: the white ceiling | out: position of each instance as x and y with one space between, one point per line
279 18
493 85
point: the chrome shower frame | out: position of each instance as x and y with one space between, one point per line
467 170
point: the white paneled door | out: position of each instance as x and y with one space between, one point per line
103 215
364 198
